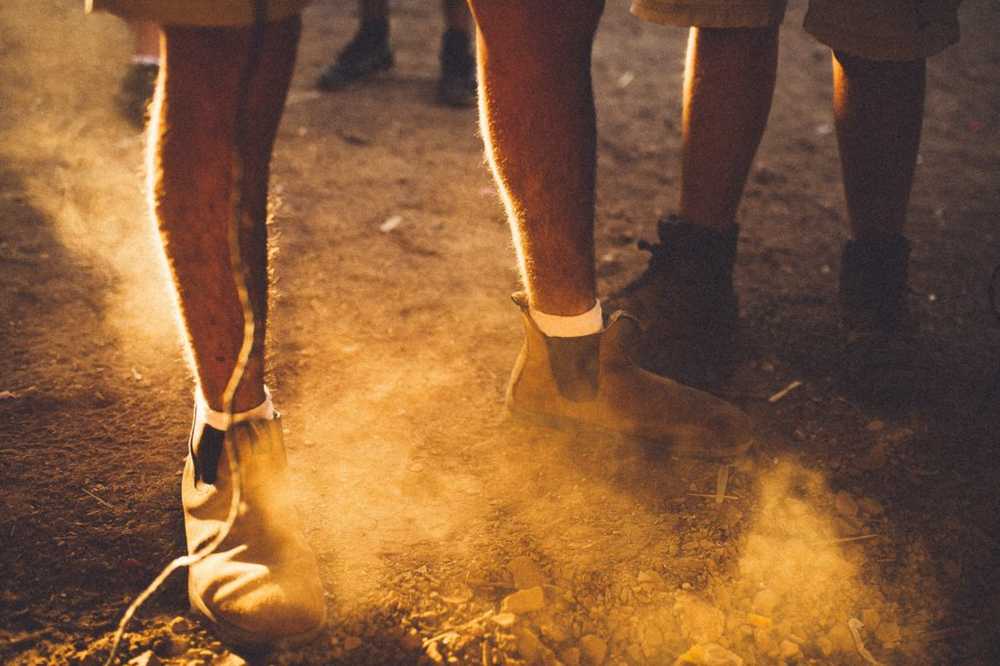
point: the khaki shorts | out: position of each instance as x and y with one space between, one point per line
873 29
216 13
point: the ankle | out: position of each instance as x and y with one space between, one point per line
374 30
874 273
573 326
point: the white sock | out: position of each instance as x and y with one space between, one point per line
145 60
221 420
556 326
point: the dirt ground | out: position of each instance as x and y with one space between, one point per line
445 532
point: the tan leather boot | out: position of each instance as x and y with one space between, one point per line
261 586
589 382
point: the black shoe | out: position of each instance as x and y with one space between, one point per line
457 86
136 92
878 331
686 303
367 54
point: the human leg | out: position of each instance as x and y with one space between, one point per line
538 123
728 85
457 85
878 112
880 51
878 109
368 52
538 120
218 105
136 88
686 296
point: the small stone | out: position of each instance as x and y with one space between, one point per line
888 634
147 658
524 601
352 643
594 649
526 573
788 649
700 621
845 504
570 656
180 626
229 659
709 654
528 644
765 601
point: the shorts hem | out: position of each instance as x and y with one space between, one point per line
708 15
890 48
230 14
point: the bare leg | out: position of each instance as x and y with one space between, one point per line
878 108
728 85
194 145
146 35
538 122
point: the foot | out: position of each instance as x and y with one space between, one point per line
136 91
367 54
589 382
457 86
686 303
878 331
261 585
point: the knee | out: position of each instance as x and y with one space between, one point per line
529 24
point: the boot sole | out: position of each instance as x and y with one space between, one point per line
573 426
244 639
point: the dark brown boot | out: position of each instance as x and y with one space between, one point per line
879 334
590 383
686 303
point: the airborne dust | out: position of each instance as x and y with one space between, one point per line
442 528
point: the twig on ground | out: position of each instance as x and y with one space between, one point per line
102 501
785 391
714 496
855 625
830 542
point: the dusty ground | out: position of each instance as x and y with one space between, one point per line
391 350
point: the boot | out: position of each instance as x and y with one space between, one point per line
457 86
590 383
261 586
136 92
878 331
367 54
686 303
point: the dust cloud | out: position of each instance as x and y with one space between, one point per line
85 170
